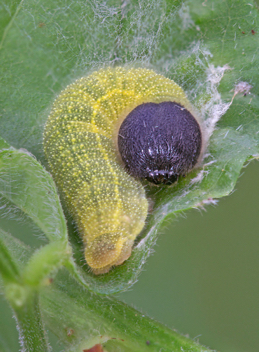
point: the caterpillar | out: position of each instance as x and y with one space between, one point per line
105 133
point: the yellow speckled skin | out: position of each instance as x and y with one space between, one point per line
108 205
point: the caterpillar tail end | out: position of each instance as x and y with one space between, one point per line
106 251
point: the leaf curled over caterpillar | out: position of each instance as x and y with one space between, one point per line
104 133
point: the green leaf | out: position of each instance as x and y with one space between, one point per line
14 255
46 47
90 319
8 269
25 183
21 298
19 251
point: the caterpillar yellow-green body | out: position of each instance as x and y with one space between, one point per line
80 145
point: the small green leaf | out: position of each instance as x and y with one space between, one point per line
19 251
25 183
8 268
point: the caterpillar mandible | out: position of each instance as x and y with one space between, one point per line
104 134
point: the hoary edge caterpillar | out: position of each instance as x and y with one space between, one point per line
104 134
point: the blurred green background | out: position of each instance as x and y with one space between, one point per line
202 279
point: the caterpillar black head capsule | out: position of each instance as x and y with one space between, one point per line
160 142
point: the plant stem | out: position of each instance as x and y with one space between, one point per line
30 326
